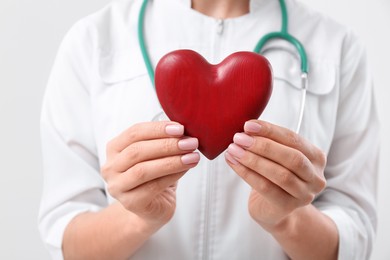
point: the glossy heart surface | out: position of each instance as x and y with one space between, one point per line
213 101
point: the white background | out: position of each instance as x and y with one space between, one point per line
30 32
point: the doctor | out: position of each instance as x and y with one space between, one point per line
119 186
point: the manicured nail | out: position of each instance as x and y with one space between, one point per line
230 158
190 158
174 130
243 139
188 144
236 151
252 127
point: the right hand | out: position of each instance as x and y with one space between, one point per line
143 166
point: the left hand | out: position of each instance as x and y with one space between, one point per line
284 170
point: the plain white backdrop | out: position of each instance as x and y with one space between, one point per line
30 32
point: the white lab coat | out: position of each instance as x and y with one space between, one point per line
99 87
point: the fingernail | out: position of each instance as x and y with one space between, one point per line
230 158
243 139
236 151
190 158
188 144
252 127
174 130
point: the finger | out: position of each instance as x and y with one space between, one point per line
284 136
144 131
150 170
271 192
152 149
290 158
277 174
138 198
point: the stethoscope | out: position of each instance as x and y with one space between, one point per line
260 48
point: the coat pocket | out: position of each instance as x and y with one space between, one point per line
127 96
321 100
121 66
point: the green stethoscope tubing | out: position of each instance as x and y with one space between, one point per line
282 34
141 39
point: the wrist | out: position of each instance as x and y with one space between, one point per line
148 226
288 225
141 226
281 226
306 233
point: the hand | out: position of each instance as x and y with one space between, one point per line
143 166
284 170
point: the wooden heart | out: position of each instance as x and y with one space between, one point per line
213 101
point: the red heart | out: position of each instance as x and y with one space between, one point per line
213 101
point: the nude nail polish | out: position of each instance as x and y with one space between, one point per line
243 140
252 127
190 158
175 130
188 144
230 158
236 151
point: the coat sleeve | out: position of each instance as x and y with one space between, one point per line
72 181
351 172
